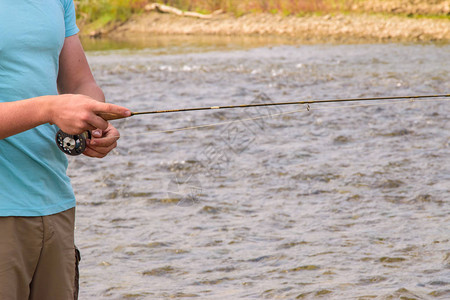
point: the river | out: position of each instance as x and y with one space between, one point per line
330 201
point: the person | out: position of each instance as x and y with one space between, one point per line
45 84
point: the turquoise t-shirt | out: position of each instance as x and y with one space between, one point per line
33 180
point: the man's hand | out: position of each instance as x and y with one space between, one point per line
102 142
75 114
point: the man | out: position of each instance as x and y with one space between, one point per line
41 55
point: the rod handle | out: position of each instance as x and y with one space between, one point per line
110 116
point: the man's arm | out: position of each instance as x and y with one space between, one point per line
75 76
74 114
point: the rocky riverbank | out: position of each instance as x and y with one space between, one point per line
328 28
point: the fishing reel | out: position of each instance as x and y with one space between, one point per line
72 144
75 144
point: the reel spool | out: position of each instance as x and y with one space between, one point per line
72 144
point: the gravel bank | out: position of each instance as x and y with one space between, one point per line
328 28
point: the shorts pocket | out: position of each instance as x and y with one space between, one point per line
77 274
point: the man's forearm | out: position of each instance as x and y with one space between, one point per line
19 116
90 89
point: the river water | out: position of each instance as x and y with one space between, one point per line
332 201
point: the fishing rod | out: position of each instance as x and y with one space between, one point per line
76 144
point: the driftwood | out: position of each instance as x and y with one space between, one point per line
172 10
162 9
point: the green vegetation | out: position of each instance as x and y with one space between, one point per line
89 11
94 14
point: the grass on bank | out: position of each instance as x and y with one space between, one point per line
103 11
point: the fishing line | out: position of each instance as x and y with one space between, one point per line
309 108
76 144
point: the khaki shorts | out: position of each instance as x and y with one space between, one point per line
38 259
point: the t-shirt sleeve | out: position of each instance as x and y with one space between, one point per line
70 18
